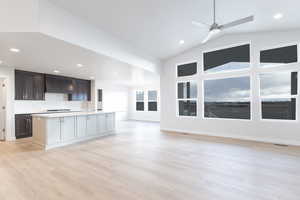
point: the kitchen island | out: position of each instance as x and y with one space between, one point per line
60 129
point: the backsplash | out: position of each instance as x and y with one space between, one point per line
52 101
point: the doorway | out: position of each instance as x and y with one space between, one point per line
2 108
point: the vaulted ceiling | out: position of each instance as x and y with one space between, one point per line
157 26
41 53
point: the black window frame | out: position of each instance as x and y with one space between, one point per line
208 52
188 100
152 102
204 108
186 64
276 48
293 97
139 103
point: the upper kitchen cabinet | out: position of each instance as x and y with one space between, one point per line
29 85
82 90
59 84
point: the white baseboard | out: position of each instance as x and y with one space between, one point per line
231 136
10 139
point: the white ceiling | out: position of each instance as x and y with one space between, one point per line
156 26
41 53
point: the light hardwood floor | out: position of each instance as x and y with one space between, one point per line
142 163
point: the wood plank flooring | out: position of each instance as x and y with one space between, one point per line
141 163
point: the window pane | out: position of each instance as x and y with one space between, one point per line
227 59
187 69
188 108
279 83
139 96
152 106
228 89
283 55
230 110
140 106
152 95
187 90
227 98
284 108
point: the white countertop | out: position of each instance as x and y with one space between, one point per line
70 114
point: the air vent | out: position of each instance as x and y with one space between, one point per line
281 145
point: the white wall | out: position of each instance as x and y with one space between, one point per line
8 75
145 115
268 131
52 101
115 98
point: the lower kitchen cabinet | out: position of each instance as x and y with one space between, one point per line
23 126
101 124
52 132
91 125
81 126
52 127
110 122
67 128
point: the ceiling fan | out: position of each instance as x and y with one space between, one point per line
215 28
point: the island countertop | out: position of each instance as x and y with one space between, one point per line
70 114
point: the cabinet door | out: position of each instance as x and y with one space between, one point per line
91 125
23 126
19 85
38 87
110 122
88 90
59 84
53 131
67 128
81 126
82 90
29 85
101 124
28 91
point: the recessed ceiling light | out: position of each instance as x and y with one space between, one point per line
14 50
92 77
79 65
56 71
181 42
278 16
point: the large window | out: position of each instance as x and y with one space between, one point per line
187 69
140 101
228 95
227 98
152 100
278 92
279 56
187 98
230 59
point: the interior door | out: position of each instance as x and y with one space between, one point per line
2 109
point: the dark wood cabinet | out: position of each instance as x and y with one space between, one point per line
23 125
82 90
33 86
59 84
29 85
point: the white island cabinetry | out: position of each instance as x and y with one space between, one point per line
60 129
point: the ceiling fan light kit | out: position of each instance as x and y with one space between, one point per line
215 28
